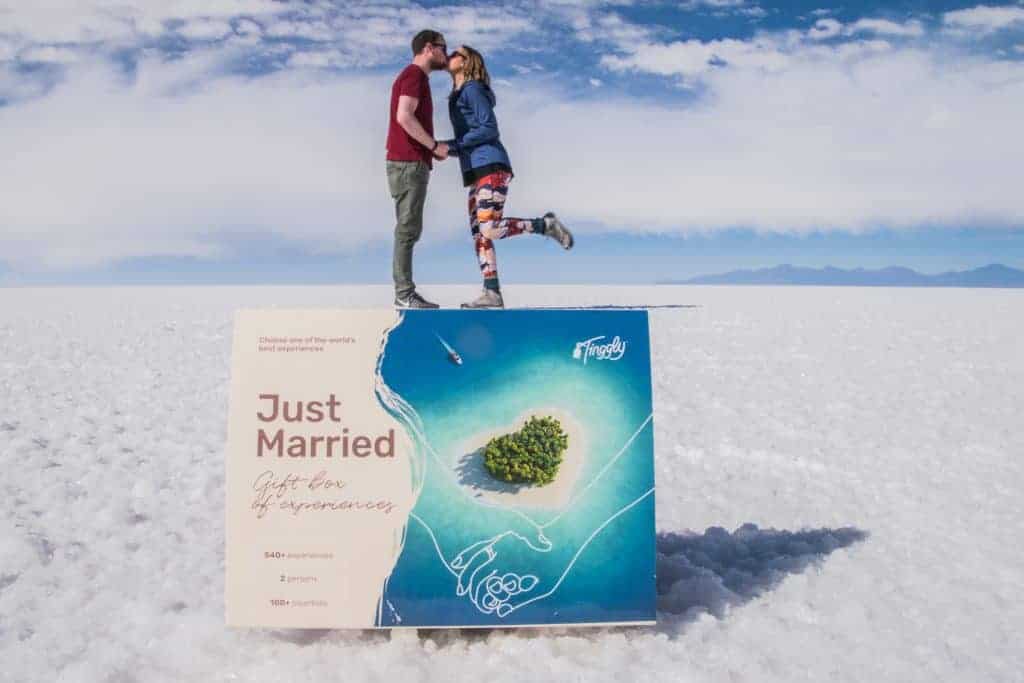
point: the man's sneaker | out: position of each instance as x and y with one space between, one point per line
414 300
489 299
554 229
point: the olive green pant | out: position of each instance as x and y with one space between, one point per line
407 181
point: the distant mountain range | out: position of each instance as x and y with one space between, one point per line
994 275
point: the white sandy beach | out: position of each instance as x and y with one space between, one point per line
472 474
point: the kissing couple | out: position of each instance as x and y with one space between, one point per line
483 161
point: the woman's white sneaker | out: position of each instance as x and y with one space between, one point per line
489 299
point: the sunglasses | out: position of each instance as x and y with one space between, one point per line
456 54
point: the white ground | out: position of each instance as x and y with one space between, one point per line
891 413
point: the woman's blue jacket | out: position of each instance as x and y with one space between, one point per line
476 141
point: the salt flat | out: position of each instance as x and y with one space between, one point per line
869 439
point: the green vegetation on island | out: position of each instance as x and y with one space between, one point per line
531 455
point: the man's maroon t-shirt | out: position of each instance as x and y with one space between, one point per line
401 147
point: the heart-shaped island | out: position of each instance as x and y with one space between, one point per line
535 462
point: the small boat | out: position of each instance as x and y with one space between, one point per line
453 355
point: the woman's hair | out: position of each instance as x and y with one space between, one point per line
474 69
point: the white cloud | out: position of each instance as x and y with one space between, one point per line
85 21
722 8
248 27
753 12
1019 48
824 143
716 4
206 29
524 69
7 50
693 58
610 28
14 86
228 34
330 59
984 18
471 22
825 28
310 30
59 22
912 28
845 119
860 48
322 59
48 54
366 33
134 172
596 82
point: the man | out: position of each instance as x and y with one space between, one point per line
411 149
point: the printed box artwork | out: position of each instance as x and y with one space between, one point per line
440 469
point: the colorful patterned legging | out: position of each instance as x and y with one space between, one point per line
486 203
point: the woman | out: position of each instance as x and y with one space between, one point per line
486 171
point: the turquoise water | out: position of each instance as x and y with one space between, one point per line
468 561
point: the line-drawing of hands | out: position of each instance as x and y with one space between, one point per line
482 571
491 591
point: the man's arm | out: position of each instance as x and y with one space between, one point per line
406 117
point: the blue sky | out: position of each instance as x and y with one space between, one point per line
242 140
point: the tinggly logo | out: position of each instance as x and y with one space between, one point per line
592 348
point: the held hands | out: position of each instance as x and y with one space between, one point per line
484 575
441 151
